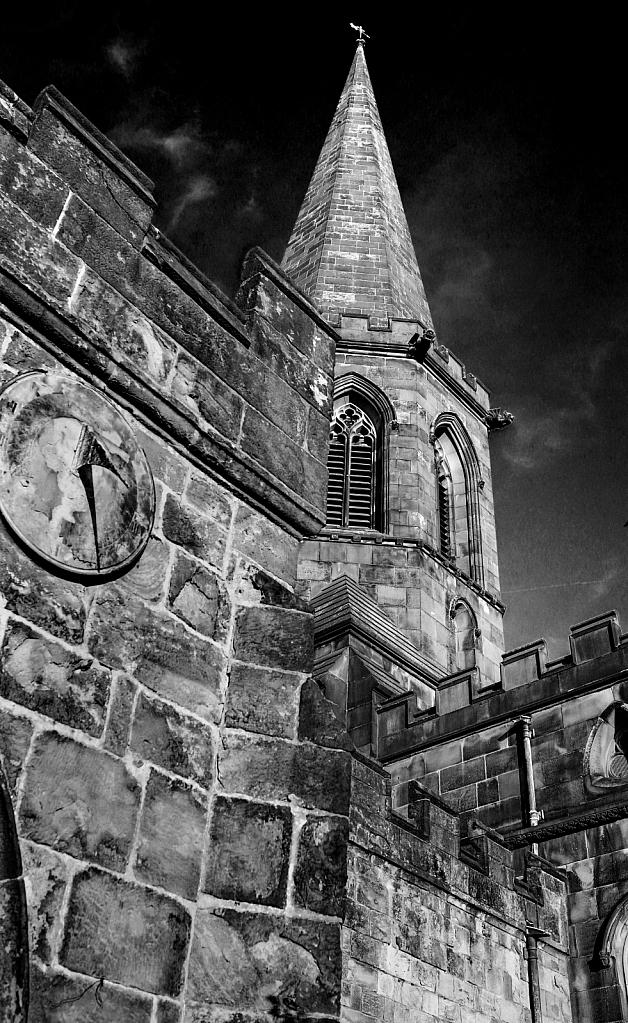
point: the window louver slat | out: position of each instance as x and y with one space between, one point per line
335 488
350 498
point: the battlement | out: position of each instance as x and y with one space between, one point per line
598 657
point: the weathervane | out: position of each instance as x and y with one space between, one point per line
362 34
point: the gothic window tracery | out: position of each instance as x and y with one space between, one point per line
351 466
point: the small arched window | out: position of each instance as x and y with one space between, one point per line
358 455
351 496
465 628
445 504
457 486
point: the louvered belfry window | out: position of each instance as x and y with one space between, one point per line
351 466
445 505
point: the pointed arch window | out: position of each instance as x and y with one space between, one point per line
457 496
351 496
465 627
445 504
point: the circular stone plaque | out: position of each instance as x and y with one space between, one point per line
74 484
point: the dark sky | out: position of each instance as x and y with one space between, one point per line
507 137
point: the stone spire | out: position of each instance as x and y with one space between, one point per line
350 249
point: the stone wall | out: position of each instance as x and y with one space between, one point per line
436 930
172 823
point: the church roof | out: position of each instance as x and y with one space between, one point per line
351 250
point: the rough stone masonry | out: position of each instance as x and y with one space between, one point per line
187 832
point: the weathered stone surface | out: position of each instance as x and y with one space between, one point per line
56 605
320 872
22 355
279 770
171 836
46 875
30 183
274 637
119 721
262 700
13 953
147 577
209 497
165 464
15 740
48 678
79 801
199 598
168 1012
212 402
158 650
198 534
257 587
266 544
263 963
259 293
26 250
171 740
123 331
57 998
126 933
248 852
103 187
296 468
317 720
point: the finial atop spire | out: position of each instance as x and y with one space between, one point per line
351 249
361 33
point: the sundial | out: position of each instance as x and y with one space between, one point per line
75 486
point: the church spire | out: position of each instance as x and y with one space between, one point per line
350 249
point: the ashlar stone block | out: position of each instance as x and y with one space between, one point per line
173 741
126 933
249 851
79 801
320 873
279 770
57 998
199 599
48 678
171 836
262 700
263 962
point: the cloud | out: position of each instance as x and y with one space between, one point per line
199 188
123 55
182 146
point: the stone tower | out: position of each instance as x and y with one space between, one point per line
404 575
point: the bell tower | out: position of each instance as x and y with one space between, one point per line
404 577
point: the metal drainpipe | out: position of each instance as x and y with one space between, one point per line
533 934
534 815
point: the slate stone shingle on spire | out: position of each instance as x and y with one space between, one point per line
351 249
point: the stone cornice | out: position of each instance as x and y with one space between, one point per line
381 539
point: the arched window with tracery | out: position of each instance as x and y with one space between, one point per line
457 496
351 465
357 462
